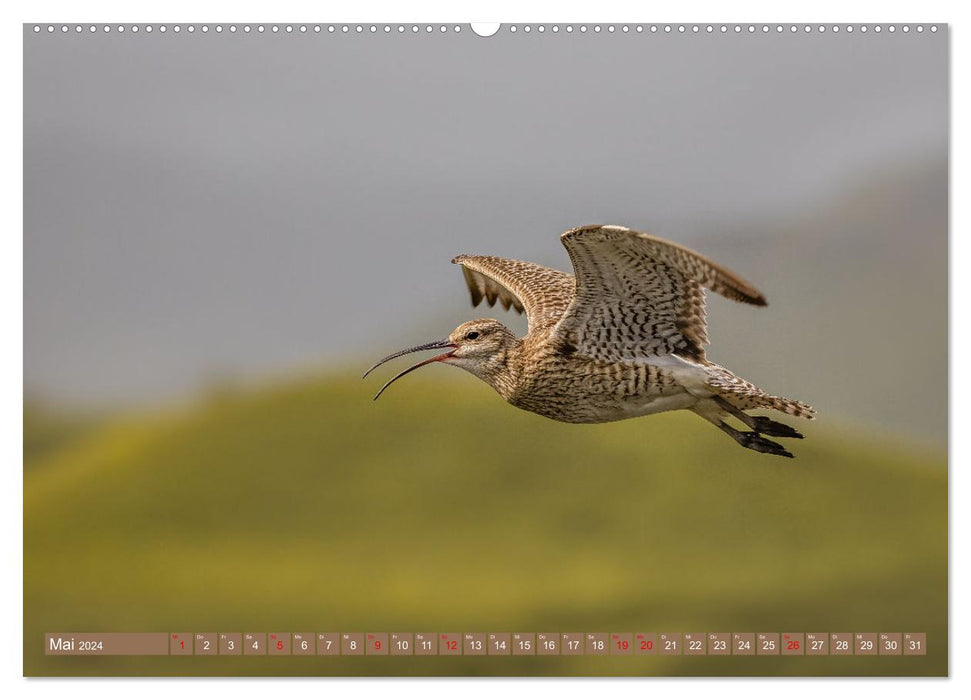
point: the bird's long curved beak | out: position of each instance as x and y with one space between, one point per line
436 345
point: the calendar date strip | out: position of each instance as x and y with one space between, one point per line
487 644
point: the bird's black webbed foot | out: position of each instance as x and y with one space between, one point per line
767 426
754 441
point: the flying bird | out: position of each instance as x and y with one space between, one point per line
622 337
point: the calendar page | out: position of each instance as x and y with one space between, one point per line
694 275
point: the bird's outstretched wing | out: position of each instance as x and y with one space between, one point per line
640 296
542 292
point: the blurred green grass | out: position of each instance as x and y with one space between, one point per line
306 507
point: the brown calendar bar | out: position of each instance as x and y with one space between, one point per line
107 644
485 644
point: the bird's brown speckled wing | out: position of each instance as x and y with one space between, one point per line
640 296
543 293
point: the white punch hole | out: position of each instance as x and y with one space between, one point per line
485 28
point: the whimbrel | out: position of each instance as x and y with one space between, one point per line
623 338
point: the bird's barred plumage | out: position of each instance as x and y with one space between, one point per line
624 336
639 296
542 292
634 295
745 395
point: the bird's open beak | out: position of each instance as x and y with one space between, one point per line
437 345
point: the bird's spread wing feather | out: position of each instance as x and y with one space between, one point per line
640 296
543 293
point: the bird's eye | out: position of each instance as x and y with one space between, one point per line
472 335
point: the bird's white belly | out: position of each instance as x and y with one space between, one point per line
645 406
595 393
688 375
692 377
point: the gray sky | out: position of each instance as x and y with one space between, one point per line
235 205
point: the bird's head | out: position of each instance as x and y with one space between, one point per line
481 347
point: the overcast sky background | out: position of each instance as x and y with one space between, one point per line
220 206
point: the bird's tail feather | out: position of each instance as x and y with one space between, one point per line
744 395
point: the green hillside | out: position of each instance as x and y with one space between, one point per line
307 507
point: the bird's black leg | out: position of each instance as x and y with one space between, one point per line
760 424
753 441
